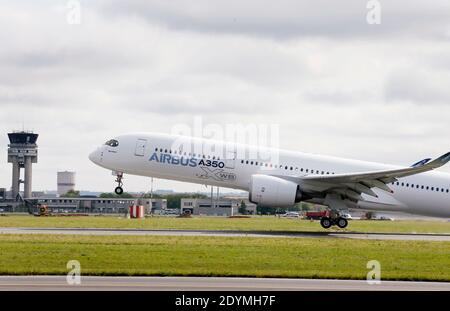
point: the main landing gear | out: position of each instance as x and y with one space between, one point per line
119 189
334 220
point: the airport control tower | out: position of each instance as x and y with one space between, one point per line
22 153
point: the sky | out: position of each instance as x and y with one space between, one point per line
329 78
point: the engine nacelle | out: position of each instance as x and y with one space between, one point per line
273 191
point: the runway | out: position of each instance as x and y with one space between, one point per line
94 283
229 233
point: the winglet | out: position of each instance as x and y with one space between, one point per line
421 162
440 161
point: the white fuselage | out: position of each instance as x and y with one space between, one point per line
217 163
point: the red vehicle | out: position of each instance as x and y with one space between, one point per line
317 215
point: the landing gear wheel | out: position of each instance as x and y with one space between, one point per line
342 222
119 189
326 222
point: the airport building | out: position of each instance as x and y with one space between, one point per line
214 207
89 205
22 153
65 182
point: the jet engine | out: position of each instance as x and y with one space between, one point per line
273 191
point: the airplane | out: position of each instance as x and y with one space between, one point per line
281 178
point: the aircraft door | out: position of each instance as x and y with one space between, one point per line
230 159
140 147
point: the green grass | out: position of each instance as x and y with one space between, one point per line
224 256
220 223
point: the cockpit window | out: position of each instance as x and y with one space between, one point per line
112 143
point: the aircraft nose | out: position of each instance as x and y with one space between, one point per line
94 156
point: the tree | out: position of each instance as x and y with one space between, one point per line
305 206
111 195
369 215
243 208
264 210
72 194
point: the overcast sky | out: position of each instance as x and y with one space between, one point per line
333 83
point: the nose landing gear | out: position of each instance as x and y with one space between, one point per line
119 189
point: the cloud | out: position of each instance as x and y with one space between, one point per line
332 83
419 87
288 19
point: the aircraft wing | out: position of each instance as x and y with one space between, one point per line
353 184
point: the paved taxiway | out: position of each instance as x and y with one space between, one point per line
177 232
59 283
